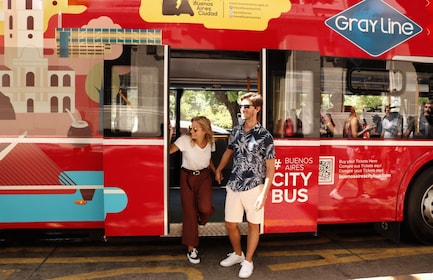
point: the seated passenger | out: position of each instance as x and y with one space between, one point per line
291 127
327 126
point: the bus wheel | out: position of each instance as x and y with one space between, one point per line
419 208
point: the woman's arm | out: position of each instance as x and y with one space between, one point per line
173 148
212 166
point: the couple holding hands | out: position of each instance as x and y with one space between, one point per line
252 149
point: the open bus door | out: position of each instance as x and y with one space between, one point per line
135 145
291 90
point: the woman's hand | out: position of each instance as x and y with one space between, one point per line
171 130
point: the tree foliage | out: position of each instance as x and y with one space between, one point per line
220 107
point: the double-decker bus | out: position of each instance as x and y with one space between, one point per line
89 87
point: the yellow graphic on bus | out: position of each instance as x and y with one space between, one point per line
217 14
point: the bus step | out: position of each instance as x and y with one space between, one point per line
210 229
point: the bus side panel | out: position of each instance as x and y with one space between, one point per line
293 199
135 173
368 179
364 180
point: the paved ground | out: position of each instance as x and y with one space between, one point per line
342 252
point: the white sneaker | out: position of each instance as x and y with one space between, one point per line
246 269
335 195
232 259
193 256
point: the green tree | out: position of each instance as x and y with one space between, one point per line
220 107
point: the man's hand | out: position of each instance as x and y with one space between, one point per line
218 176
260 202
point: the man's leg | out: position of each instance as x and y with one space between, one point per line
235 237
252 240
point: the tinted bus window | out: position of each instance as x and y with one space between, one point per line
379 91
293 93
134 106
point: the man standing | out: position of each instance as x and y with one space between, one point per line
252 148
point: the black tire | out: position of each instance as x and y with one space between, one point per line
419 208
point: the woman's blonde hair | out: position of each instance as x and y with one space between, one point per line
205 124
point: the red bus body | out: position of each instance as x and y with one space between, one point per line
46 163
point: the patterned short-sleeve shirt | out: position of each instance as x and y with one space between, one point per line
250 151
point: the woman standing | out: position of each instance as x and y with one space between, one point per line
195 180
352 129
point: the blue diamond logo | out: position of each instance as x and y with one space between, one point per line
374 26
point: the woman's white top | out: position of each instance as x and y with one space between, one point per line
194 157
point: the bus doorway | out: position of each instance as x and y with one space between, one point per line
207 83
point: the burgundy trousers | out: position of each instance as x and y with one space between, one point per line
196 200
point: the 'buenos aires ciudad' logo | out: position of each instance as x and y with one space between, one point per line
374 26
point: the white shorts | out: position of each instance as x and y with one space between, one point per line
239 202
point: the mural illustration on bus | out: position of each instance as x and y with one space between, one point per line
29 175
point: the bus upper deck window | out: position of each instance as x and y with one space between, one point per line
375 81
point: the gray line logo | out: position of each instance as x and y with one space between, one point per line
374 26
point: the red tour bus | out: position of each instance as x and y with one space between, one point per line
88 88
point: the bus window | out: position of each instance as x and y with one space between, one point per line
372 87
134 106
372 80
293 90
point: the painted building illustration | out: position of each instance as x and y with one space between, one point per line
31 90
31 85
